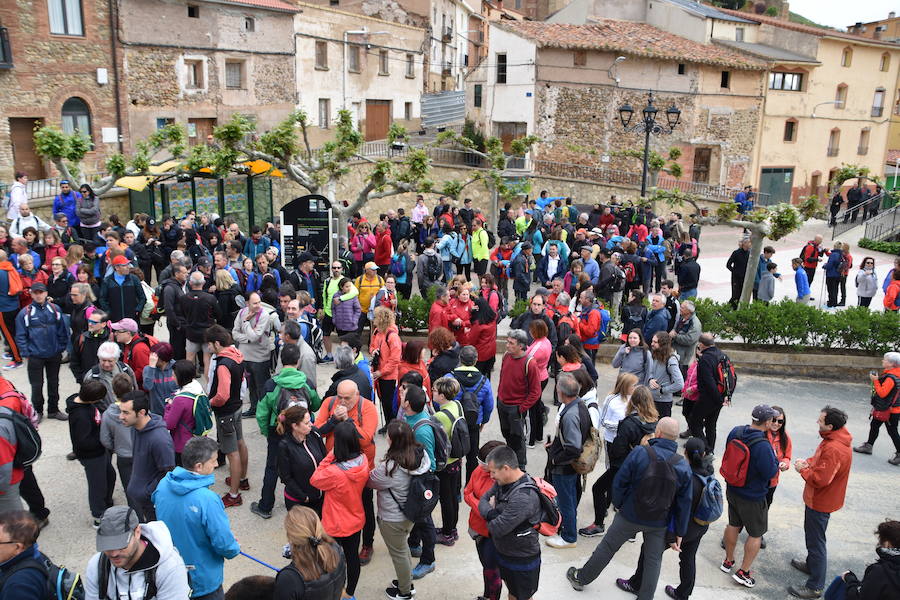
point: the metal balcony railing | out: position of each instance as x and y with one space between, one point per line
833 151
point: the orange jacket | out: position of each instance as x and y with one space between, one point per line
437 316
478 485
828 472
343 483
774 439
15 280
364 416
13 402
884 388
892 296
389 347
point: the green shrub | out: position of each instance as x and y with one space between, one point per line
886 247
800 326
414 312
518 308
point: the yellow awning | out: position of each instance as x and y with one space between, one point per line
258 166
167 166
138 183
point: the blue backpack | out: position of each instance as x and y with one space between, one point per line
398 265
710 506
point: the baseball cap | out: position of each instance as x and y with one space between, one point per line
120 260
116 528
596 231
124 325
306 257
38 287
203 262
763 412
371 265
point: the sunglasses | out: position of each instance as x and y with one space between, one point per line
92 322
780 421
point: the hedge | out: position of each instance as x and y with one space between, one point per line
886 247
414 312
800 326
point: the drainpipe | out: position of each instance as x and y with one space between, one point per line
113 37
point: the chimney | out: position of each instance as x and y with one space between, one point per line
891 15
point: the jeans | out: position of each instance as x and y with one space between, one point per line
620 532
36 368
423 534
837 590
567 497
217 594
448 271
890 425
270 476
490 569
687 562
512 426
450 483
394 535
687 294
814 525
101 480
259 373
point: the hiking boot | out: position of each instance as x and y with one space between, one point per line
412 587
592 530
365 554
572 576
415 551
625 586
250 413
244 485
228 500
256 510
726 566
421 570
71 456
865 448
800 565
801 591
743 577
446 539
58 415
896 460
556 541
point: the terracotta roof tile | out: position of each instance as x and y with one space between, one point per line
628 37
817 31
267 4
893 156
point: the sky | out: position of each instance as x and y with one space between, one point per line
841 14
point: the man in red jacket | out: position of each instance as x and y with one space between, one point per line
826 475
384 248
519 390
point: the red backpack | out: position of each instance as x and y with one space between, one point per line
630 272
736 461
551 518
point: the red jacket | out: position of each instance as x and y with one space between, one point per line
892 296
389 348
343 483
484 338
640 231
589 328
421 369
384 248
520 382
137 355
885 388
774 439
7 450
456 309
478 485
437 316
828 472
498 254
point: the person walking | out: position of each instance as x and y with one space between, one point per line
300 451
747 451
85 419
737 265
405 458
685 335
253 332
476 487
885 406
519 389
318 568
646 508
664 377
705 413
196 518
634 357
826 474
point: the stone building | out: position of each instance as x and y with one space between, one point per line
886 30
57 67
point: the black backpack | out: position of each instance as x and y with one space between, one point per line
288 397
882 404
433 268
470 397
28 440
103 568
441 441
422 496
617 281
459 431
61 584
656 491
492 239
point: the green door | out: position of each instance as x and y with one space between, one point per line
777 183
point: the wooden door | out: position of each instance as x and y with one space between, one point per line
24 156
378 119
507 132
701 164
198 129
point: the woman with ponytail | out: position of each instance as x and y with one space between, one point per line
299 453
317 570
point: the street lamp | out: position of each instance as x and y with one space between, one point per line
835 102
647 125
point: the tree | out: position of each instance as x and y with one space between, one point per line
656 162
773 223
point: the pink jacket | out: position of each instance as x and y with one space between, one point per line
360 244
690 383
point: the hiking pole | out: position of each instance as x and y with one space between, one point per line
253 558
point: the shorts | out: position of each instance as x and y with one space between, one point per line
229 432
521 575
195 347
327 325
752 515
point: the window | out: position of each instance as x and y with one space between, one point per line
353 59
897 104
501 68
65 17
193 11
383 66
786 81
249 24
194 71
834 142
407 111
885 63
846 57
790 130
579 58
726 79
333 2
322 55
863 147
324 112
476 101
6 61
76 116
163 121
681 68
878 103
739 34
234 74
410 66
840 96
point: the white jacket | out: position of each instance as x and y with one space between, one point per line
18 195
20 224
171 574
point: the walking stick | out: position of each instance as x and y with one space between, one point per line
253 558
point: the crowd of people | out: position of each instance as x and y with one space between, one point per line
247 338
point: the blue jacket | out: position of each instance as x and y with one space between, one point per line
655 252
65 204
593 270
657 320
41 331
14 259
801 280
446 244
424 434
200 529
763 463
832 267
253 249
27 583
7 303
628 478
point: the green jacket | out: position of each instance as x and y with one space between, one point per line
267 409
454 408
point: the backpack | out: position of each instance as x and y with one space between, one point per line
565 325
202 413
879 403
470 397
617 281
844 265
288 397
314 336
103 568
736 461
502 305
459 431
590 447
726 378
459 248
433 268
492 239
422 496
159 308
62 584
442 448
629 271
398 266
28 440
551 519
631 320
806 255
656 490
710 506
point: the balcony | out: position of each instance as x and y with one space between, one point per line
833 151
447 35
877 111
447 69
862 150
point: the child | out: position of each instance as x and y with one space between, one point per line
346 313
447 410
767 283
115 435
801 281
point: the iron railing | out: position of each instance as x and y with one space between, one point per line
47 188
884 224
850 218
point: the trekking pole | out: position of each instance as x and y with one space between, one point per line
253 558
821 292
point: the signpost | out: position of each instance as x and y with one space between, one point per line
307 226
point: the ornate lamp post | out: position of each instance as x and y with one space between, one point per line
647 125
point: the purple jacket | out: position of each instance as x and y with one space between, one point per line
346 314
179 415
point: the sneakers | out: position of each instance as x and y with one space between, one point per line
228 500
71 456
446 539
326 359
572 576
412 587
726 566
58 415
625 586
743 578
95 523
256 510
249 414
395 594
896 460
244 485
556 541
592 530
365 554
286 551
800 565
12 365
670 592
415 551
421 570
865 448
7 356
804 592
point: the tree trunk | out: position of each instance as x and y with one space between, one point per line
757 236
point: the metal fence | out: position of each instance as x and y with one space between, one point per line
850 218
47 188
884 225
